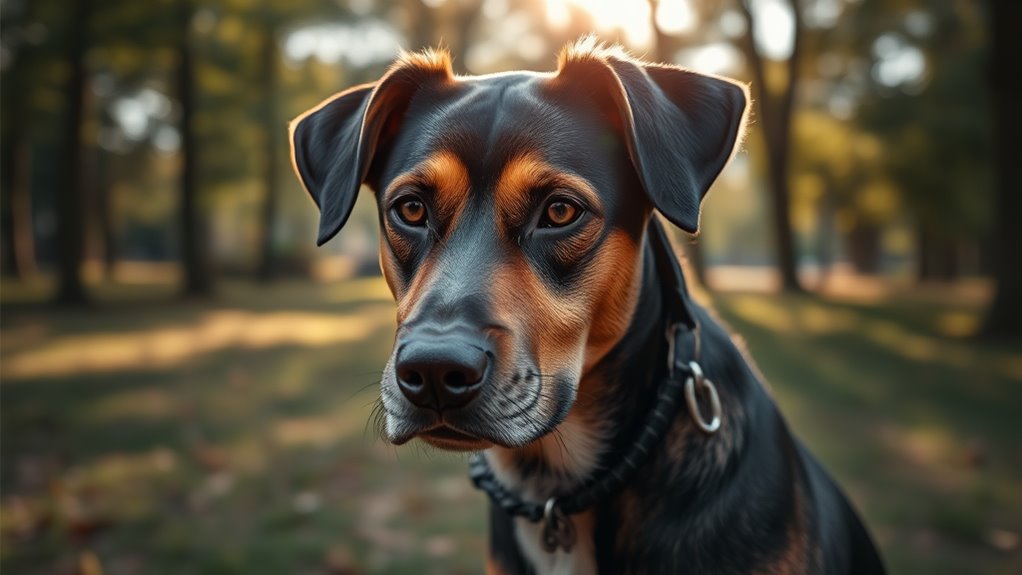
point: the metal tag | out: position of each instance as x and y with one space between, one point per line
558 529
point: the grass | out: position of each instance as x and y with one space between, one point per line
230 436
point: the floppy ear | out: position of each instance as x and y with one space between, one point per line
680 127
333 144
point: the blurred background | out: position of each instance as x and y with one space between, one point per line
186 380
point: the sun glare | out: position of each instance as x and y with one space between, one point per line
632 19
774 30
674 16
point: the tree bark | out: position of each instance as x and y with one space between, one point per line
194 247
18 237
937 254
1004 318
267 263
70 189
775 115
104 213
18 242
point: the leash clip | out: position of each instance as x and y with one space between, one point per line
558 529
698 379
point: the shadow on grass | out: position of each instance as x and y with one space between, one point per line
241 458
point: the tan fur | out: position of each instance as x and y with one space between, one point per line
492 567
527 171
552 332
430 59
617 278
445 173
793 560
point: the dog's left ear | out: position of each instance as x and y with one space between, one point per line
680 127
333 144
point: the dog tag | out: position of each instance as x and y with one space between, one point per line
558 529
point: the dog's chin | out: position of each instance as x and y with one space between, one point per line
452 438
471 431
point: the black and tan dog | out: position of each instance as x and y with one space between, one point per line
519 241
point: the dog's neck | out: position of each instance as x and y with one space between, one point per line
614 399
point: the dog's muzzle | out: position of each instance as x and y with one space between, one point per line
441 370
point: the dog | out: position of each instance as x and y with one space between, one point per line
544 324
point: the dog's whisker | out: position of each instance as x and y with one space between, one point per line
364 388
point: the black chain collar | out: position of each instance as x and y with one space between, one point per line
684 375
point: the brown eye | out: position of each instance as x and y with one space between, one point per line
559 213
412 212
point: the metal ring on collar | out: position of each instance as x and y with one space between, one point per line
558 529
697 378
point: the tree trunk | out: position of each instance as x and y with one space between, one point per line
781 212
194 247
1004 318
271 203
775 114
937 255
70 188
18 242
18 238
104 215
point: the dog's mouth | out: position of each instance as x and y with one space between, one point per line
510 417
447 437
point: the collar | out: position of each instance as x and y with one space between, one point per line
684 378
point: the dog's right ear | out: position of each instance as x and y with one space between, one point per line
333 144
680 127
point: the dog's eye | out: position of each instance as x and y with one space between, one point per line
411 211
559 212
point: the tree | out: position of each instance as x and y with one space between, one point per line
104 210
17 23
775 114
70 192
198 281
1004 318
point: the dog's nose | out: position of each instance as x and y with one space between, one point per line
440 374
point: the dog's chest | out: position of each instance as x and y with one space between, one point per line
573 452
581 560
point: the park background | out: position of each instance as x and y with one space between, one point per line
187 380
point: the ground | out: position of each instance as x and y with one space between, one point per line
146 435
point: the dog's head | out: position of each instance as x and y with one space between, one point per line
512 209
